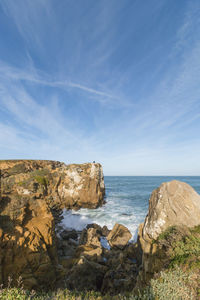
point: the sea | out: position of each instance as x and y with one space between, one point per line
127 199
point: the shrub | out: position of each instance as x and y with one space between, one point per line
174 284
164 235
41 180
187 250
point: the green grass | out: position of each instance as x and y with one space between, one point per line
187 250
181 247
164 235
21 294
41 180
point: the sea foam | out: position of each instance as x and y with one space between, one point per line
126 203
120 207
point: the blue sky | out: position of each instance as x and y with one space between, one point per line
113 81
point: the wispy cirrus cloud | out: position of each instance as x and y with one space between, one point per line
38 77
113 82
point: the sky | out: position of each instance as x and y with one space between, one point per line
116 82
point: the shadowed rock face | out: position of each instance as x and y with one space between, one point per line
28 246
30 191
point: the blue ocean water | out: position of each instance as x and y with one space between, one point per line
126 202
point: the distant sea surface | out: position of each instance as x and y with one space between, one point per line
127 200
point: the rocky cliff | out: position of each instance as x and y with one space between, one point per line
70 186
31 193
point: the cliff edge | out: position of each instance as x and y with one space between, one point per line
70 186
31 192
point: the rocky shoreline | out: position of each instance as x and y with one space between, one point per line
35 246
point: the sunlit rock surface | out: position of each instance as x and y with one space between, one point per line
173 204
31 194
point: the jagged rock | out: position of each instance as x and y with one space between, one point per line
121 274
28 246
95 226
69 234
90 245
32 196
105 231
90 237
69 186
119 236
85 275
91 253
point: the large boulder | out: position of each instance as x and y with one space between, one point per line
173 203
174 207
119 236
90 237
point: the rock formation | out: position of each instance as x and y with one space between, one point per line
70 186
32 192
173 204
119 236
94 265
28 245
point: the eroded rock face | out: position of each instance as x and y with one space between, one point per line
28 246
70 186
30 192
173 203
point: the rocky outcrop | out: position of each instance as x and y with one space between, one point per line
94 265
174 204
28 246
119 236
32 193
70 186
